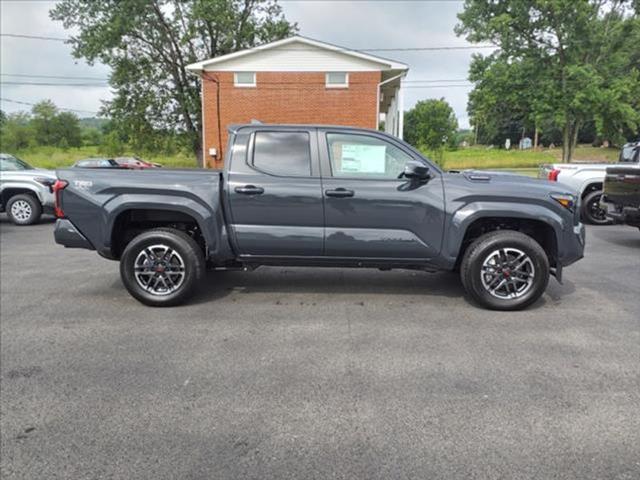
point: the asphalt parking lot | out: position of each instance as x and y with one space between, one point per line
316 373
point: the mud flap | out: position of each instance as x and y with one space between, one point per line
557 272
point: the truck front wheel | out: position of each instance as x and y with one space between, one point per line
24 209
505 270
161 267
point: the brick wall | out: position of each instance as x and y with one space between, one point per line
286 97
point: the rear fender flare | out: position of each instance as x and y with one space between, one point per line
204 217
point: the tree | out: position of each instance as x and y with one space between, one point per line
66 129
148 44
567 61
431 124
44 114
16 133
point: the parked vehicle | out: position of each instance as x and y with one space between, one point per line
135 163
587 180
621 197
25 192
322 196
97 163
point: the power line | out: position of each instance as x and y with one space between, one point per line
19 102
33 37
62 77
105 79
354 50
49 84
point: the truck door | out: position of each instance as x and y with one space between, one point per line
369 211
274 193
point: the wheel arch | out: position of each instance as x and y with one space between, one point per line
12 191
540 223
130 219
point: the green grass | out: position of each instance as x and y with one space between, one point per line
493 158
52 157
474 157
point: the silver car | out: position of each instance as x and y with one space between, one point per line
25 192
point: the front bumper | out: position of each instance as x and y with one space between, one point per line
572 248
67 234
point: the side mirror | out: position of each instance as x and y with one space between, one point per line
416 171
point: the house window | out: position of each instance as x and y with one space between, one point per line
337 80
244 79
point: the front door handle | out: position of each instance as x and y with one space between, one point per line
339 193
249 190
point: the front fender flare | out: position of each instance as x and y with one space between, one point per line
461 220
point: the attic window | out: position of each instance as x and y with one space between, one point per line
337 80
244 79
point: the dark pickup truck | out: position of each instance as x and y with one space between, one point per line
621 197
322 196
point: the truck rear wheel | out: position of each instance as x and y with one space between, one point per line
161 267
505 270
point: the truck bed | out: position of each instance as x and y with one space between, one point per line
94 200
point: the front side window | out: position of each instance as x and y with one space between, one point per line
285 154
363 156
244 79
337 80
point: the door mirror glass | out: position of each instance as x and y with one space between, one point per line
416 171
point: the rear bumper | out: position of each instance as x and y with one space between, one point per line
619 214
67 234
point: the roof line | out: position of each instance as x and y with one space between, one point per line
199 66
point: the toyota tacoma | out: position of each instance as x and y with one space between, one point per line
321 196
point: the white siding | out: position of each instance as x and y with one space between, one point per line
297 57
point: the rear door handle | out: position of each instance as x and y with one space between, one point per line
249 190
339 193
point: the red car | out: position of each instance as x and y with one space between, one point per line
134 163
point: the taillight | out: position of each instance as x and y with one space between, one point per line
553 175
57 190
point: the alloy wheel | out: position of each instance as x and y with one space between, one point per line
21 210
159 269
507 273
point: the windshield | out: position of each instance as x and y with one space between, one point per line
13 164
626 155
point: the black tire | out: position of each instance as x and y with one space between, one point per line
483 248
591 211
24 209
189 254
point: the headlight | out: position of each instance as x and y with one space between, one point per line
46 181
567 200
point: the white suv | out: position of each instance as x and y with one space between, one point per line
25 192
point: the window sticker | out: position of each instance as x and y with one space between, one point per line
358 158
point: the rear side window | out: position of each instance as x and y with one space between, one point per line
282 153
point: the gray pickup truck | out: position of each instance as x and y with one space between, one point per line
322 196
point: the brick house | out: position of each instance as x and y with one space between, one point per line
297 80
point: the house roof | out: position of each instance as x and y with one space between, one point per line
314 45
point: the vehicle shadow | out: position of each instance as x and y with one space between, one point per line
44 220
357 282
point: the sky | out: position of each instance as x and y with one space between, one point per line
367 24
